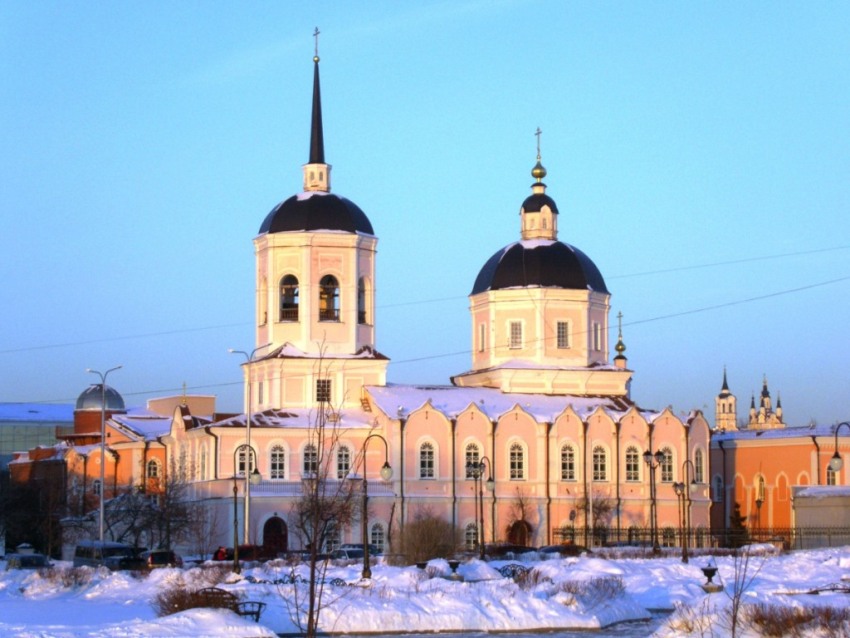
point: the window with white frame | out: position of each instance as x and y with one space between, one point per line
470 537
426 460
323 390
378 537
333 538
563 334
516 335
516 462
597 336
343 462
95 487
277 462
717 489
699 467
242 460
472 460
311 460
600 464
153 469
831 476
328 298
667 465
632 465
568 463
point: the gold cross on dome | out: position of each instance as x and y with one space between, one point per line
537 134
316 35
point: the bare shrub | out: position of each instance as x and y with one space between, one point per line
777 621
176 599
427 536
215 573
67 577
594 589
531 579
432 571
689 620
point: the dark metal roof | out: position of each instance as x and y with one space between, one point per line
91 399
535 203
316 211
539 263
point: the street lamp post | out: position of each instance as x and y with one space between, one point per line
836 462
250 468
653 461
235 526
102 376
683 491
491 485
386 475
474 470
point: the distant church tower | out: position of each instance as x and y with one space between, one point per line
726 408
315 302
765 417
539 311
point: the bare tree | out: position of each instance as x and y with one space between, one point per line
328 504
744 572
519 518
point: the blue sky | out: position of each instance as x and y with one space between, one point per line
698 152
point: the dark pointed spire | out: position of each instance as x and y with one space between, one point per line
725 387
317 141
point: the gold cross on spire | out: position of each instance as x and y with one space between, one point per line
537 134
316 35
620 324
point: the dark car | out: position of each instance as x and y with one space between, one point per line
565 549
347 554
27 561
161 558
506 549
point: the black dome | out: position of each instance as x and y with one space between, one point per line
539 263
535 203
316 211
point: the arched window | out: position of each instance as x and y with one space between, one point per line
472 460
95 487
632 465
362 301
289 298
426 461
699 467
343 462
333 538
717 491
760 489
153 469
277 462
667 465
241 460
311 460
470 537
568 463
378 537
328 299
668 537
517 462
600 464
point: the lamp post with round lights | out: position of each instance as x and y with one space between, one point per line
653 461
491 485
836 462
102 376
252 475
386 475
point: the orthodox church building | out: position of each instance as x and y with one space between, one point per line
766 467
543 417
538 442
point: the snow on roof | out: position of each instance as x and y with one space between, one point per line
51 413
452 400
822 491
143 423
751 434
287 350
298 418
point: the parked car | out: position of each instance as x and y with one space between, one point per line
500 550
564 549
27 561
107 553
373 549
161 558
347 554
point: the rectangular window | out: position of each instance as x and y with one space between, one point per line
426 461
323 390
830 477
600 465
482 345
632 466
563 334
311 460
343 462
516 335
597 337
517 463
568 464
260 393
667 466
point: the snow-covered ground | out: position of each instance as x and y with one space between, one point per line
407 599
